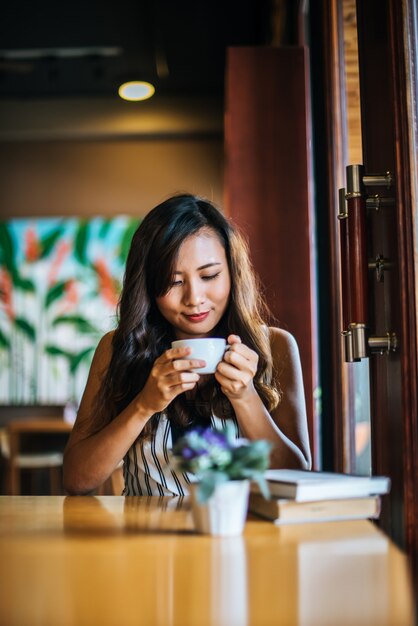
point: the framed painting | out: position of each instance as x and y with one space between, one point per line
60 281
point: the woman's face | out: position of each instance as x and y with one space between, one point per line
199 294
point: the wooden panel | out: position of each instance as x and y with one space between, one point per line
267 187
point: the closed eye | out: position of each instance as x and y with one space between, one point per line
210 276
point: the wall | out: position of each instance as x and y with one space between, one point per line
103 174
93 177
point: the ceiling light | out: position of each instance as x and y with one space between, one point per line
136 90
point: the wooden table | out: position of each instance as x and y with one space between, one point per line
120 561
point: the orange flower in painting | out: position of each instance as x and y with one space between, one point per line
6 293
106 283
71 295
33 248
63 248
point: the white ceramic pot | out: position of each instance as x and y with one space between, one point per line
226 510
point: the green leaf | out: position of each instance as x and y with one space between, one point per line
79 358
25 284
250 459
4 341
25 327
55 293
229 432
104 229
56 351
80 323
127 239
7 251
208 483
48 242
81 242
263 485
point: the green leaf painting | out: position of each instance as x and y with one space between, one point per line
4 341
77 359
81 242
126 239
48 242
7 254
80 323
55 351
55 293
60 280
26 328
26 284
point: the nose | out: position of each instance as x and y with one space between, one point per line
193 294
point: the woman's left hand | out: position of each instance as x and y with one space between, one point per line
235 373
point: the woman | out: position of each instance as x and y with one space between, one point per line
187 275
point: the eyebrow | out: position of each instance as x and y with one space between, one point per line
202 267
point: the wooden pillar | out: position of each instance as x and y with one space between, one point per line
268 190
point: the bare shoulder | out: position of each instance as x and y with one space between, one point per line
103 351
286 362
99 365
283 346
290 414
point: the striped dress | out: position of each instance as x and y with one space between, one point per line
146 467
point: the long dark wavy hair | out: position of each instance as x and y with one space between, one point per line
143 334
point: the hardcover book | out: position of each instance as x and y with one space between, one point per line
285 511
304 486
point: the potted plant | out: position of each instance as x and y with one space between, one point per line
223 467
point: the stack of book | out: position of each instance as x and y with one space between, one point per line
298 496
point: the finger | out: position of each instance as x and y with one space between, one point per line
239 360
231 372
178 378
165 361
174 353
233 339
235 357
178 387
229 386
241 348
187 364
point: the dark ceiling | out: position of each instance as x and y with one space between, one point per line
56 49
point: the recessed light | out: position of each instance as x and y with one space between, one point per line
136 90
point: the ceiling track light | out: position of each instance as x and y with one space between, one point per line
136 90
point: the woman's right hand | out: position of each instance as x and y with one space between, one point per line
170 375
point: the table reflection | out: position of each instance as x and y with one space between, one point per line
210 589
351 586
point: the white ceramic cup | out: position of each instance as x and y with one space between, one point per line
209 349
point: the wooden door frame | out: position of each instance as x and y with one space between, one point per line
330 145
404 497
395 444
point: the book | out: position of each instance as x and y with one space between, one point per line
285 511
304 486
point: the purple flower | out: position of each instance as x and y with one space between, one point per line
215 438
217 455
188 453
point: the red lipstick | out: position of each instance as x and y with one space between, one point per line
197 317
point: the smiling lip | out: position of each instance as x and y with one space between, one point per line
198 317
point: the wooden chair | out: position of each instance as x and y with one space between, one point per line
16 460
